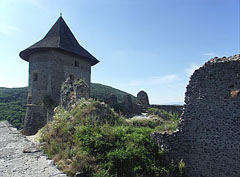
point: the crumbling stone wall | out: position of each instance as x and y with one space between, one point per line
72 91
112 100
208 139
142 98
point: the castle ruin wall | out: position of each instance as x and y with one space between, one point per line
47 71
208 139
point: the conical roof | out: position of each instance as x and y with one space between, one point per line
59 37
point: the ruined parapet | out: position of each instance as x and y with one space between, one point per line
81 89
142 98
66 92
72 91
130 108
112 100
208 139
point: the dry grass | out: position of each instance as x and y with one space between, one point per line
235 93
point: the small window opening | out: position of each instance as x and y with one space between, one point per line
76 64
71 77
35 76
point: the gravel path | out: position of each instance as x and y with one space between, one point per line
15 163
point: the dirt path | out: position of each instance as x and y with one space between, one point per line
15 163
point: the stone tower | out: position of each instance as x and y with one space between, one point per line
52 60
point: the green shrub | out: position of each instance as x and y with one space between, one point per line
143 122
108 147
163 113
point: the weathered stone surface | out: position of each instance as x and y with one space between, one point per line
142 98
72 91
47 71
208 139
112 99
129 108
15 163
35 119
81 89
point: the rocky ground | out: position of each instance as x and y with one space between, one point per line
19 157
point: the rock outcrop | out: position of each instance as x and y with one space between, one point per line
130 108
142 98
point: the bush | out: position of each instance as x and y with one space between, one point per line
123 151
163 114
106 146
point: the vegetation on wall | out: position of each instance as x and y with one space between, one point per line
93 139
13 101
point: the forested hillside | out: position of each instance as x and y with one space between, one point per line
13 101
12 105
101 92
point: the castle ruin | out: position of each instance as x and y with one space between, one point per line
52 60
208 139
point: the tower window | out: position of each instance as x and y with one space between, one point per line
35 76
76 64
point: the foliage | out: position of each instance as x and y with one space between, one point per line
104 145
157 119
163 113
12 105
90 111
13 101
145 122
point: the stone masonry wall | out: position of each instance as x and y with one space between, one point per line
208 139
47 71
53 68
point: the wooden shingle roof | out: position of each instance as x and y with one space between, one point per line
59 37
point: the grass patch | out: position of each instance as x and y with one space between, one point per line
157 119
93 139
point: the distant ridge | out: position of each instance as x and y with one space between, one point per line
101 92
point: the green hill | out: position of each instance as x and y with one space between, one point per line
13 101
12 105
101 92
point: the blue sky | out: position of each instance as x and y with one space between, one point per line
151 45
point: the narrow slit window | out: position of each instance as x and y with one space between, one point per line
35 76
76 64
